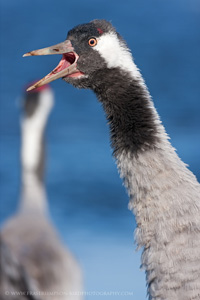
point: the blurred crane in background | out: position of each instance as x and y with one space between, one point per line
33 258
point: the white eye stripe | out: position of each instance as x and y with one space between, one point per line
116 54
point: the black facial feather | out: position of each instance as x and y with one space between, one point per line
89 60
90 29
82 32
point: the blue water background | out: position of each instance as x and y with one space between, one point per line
87 201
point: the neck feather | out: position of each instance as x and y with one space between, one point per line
133 120
164 194
33 197
33 155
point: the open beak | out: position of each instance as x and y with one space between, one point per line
66 67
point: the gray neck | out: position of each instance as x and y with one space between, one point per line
164 194
165 198
33 195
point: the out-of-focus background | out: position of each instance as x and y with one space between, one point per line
88 203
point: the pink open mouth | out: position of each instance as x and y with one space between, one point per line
67 60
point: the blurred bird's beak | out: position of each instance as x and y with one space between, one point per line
66 67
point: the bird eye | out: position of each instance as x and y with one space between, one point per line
92 42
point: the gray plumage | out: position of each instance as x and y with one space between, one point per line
29 235
165 198
14 281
